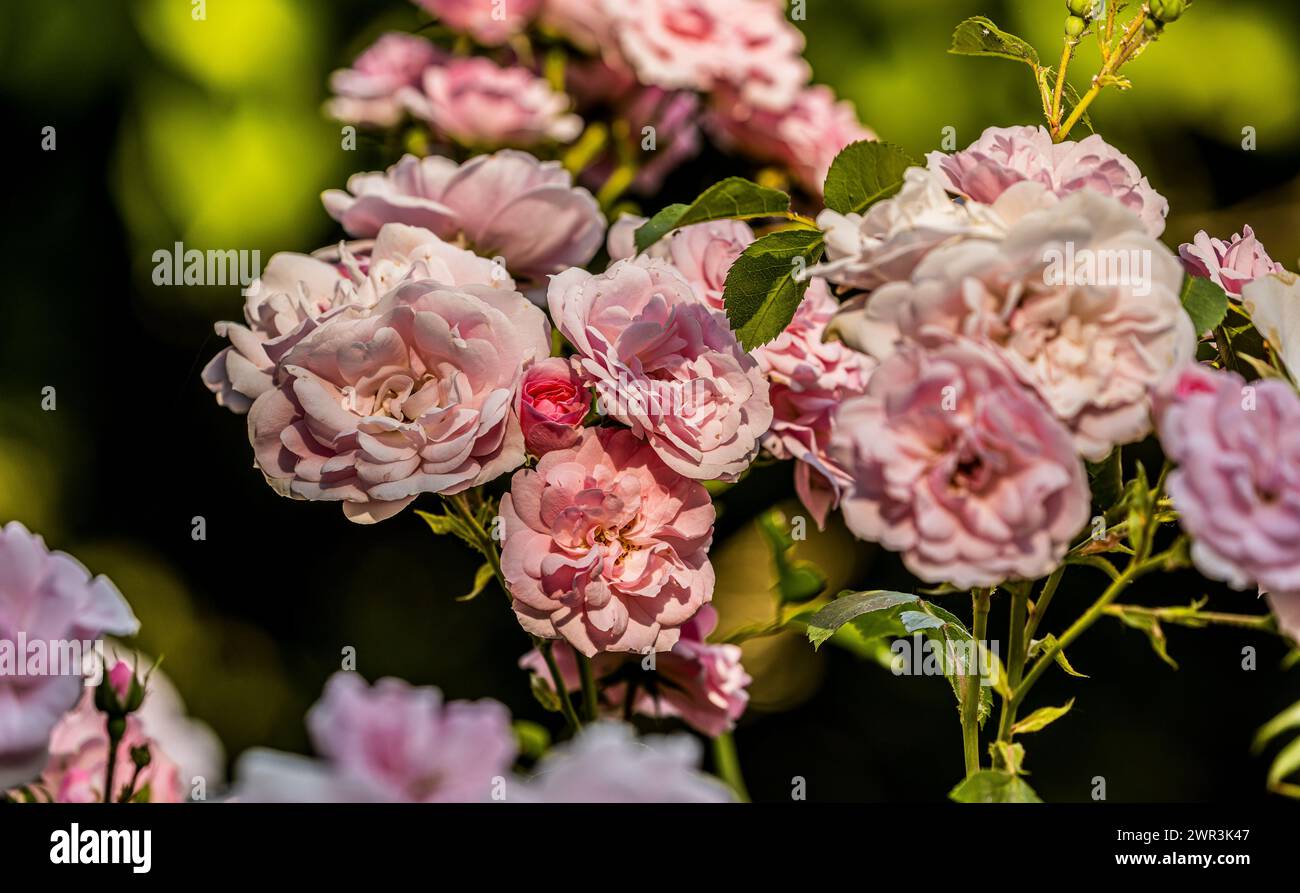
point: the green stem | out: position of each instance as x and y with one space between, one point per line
728 765
1015 655
970 702
617 184
116 730
1044 599
590 695
546 647
1262 622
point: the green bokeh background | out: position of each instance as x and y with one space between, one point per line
210 132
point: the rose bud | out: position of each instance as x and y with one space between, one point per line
551 403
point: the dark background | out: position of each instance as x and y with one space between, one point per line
210 133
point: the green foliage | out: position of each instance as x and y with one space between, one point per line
734 198
864 173
1205 302
763 288
797 580
994 786
1041 718
978 36
1287 762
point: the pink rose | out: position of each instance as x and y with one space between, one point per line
606 546
1083 301
297 293
390 742
702 252
553 400
490 22
665 364
1003 156
477 103
508 204
810 378
607 763
1237 485
1286 608
957 465
46 597
887 242
804 136
414 395
706 44
1230 265
367 92
703 684
584 23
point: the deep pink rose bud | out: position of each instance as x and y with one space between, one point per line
551 404
120 678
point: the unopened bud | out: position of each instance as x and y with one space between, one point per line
1166 11
1074 26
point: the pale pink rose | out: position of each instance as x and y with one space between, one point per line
390 742
706 44
665 364
1273 302
477 103
367 92
584 23
960 468
414 395
887 242
810 378
606 546
490 22
607 763
702 252
552 402
296 293
1286 608
507 204
1089 337
1230 265
1003 156
45 597
1237 485
804 136
702 684
77 770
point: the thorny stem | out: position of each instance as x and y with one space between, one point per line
546 647
1132 39
1199 618
1015 654
590 696
1066 54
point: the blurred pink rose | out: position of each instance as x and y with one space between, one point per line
887 242
508 204
960 468
803 136
490 22
1003 156
703 684
1083 301
702 252
810 378
477 103
78 764
553 400
606 546
607 763
1286 608
413 396
705 44
390 742
1230 265
367 92
665 364
45 597
584 23
1237 485
296 293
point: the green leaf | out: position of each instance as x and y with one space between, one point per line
1150 625
994 786
978 36
544 693
1041 718
1049 641
864 173
796 580
533 738
1285 721
734 198
851 605
1205 302
482 577
1107 480
762 293
1287 762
